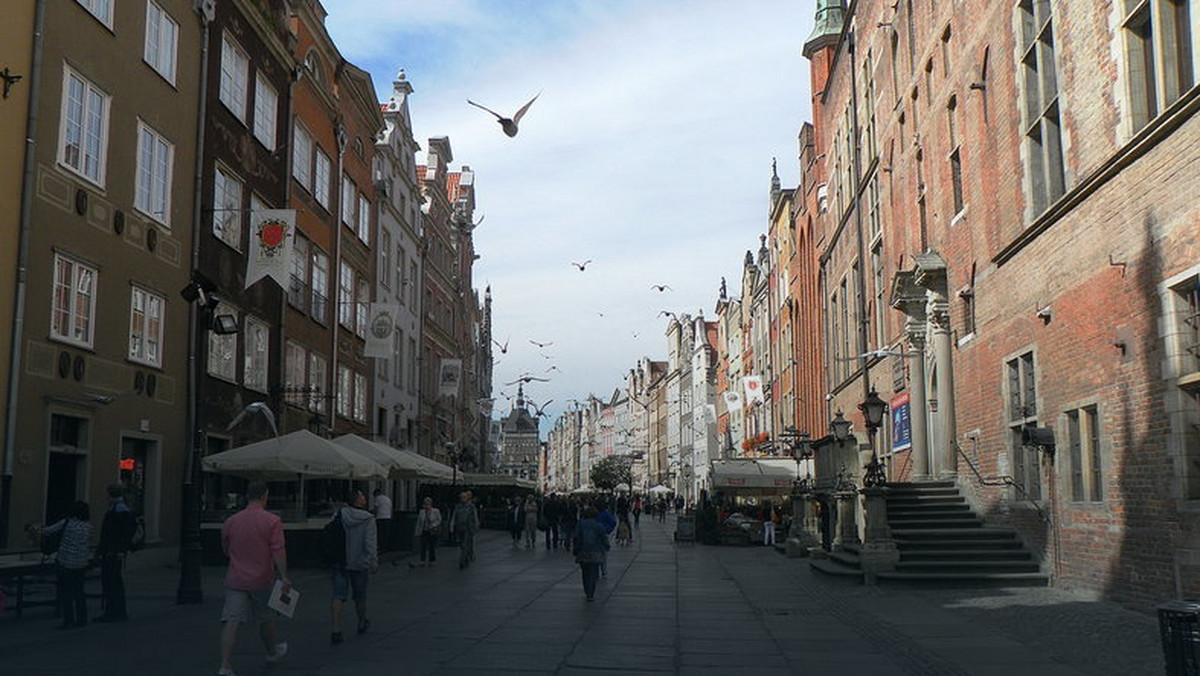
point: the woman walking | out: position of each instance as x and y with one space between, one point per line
516 521
429 526
531 522
591 543
72 560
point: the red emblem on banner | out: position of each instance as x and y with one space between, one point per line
271 235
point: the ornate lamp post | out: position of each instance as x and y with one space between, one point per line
879 552
873 409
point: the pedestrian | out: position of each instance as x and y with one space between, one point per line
768 524
383 520
591 548
531 521
429 527
548 521
253 541
637 511
116 535
362 559
606 519
71 561
568 519
516 521
465 522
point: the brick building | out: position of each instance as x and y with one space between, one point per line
1004 237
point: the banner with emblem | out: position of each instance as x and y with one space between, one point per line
381 327
711 410
733 400
754 390
449 376
272 233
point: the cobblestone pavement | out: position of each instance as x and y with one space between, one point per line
663 609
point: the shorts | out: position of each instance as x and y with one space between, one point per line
243 606
346 580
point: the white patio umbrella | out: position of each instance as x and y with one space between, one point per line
659 490
300 453
621 487
400 465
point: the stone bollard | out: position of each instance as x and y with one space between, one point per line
802 536
847 519
879 552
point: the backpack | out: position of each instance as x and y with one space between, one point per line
333 542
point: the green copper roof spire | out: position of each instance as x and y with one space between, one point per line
831 16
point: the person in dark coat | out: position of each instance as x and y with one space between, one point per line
568 519
550 520
609 522
591 544
516 521
116 535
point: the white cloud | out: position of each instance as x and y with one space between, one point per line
648 151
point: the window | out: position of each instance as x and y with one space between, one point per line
74 304
320 286
360 397
68 432
345 393
1083 433
1022 411
162 38
412 365
946 51
235 67
258 348
302 149
879 304
227 208
83 137
956 179
349 189
321 178
1039 85
266 102
146 327
295 360
401 275
101 9
1158 53
298 288
412 280
361 305
222 353
398 357
967 296
155 157
364 219
385 259
317 374
345 300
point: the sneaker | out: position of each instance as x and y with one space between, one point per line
336 638
280 650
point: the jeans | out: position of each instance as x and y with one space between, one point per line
71 600
591 572
429 546
112 582
466 549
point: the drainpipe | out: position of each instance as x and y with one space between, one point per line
336 201
18 326
861 278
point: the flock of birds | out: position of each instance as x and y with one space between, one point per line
510 126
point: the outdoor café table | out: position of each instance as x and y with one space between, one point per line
19 573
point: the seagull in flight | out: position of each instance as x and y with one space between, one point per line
508 124
541 344
667 313
540 412
527 379
582 265
503 346
552 368
660 287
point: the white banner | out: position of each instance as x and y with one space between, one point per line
449 376
272 233
381 326
754 390
711 410
733 400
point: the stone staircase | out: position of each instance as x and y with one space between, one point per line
942 542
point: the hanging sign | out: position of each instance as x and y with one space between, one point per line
901 423
272 232
381 326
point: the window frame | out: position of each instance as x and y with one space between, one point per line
70 314
216 343
266 118
139 329
102 10
302 144
317 398
295 392
157 49
222 176
1020 381
364 219
234 80
90 91
322 177
256 358
157 184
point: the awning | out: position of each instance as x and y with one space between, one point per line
401 464
763 475
300 453
476 479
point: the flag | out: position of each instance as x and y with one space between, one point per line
381 326
711 410
449 375
733 400
754 391
272 233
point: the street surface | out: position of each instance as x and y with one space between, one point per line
663 609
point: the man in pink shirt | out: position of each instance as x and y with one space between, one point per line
253 541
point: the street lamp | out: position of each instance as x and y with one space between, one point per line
840 427
873 409
199 293
801 450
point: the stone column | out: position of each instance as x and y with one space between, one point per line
847 523
943 352
918 407
879 552
802 536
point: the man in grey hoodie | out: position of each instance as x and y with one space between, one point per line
362 558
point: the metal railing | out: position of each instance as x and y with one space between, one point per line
1001 480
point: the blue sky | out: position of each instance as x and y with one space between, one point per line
648 152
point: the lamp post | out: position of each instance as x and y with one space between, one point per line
199 294
873 409
801 450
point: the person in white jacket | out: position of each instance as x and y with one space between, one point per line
429 527
362 559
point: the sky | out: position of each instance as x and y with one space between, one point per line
648 152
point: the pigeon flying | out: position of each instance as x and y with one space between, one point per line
509 125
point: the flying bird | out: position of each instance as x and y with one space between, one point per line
660 287
526 379
552 368
251 409
547 356
503 346
582 265
508 124
541 344
539 409
667 313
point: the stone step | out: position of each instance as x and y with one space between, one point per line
837 570
931 514
953 580
949 491
848 557
964 554
909 485
971 521
971 533
926 500
959 544
964 566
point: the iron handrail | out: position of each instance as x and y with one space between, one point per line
1001 480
